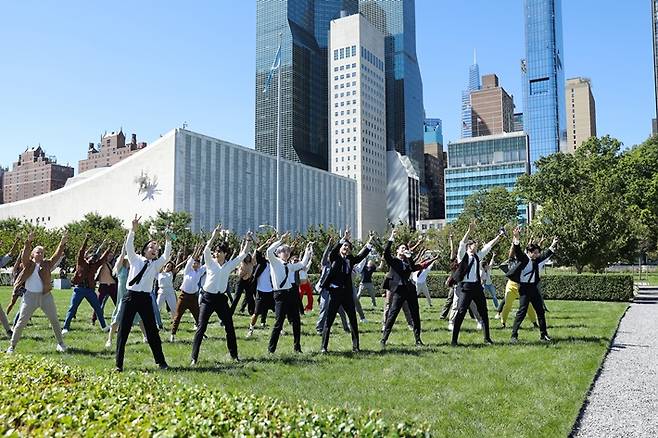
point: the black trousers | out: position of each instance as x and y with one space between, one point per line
341 297
448 303
248 287
286 305
215 303
529 294
402 294
138 303
264 303
471 292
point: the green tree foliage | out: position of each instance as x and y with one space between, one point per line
583 201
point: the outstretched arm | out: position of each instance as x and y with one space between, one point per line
461 251
59 252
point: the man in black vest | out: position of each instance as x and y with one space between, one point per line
469 282
526 273
340 286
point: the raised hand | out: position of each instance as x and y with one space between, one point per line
471 226
216 231
394 232
555 242
285 236
136 222
65 236
517 232
347 234
30 236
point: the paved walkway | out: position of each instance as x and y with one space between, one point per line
624 400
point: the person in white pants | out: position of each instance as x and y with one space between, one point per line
35 277
420 278
166 292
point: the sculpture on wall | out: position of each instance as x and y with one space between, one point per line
147 186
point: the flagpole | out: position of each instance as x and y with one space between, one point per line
278 141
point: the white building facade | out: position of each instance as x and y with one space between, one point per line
215 181
403 192
357 116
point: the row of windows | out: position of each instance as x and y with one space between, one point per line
344 67
345 85
371 58
344 52
353 74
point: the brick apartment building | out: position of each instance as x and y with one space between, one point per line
109 151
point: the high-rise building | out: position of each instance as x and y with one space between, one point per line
34 174
357 116
473 85
404 87
543 72
492 108
403 191
109 151
654 27
435 163
480 163
581 113
2 172
304 29
518 122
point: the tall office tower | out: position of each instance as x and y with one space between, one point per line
304 28
581 112
544 114
518 122
435 164
492 108
357 116
404 87
654 27
473 85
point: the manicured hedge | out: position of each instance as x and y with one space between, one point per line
42 397
583 287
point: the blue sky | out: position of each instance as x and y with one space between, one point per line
74 69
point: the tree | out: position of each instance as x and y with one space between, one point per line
490 209
582 199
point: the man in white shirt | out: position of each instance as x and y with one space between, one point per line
530 264
36 279
188 298
137 300
420 278
213 293
470 283
286 298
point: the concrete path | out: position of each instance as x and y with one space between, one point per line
624 400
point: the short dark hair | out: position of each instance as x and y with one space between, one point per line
532 247
222 247
348 243
147 244
470 242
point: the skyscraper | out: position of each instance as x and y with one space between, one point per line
358 116
404 88
544 100
654 27
304 29
581 113
492 108
473 85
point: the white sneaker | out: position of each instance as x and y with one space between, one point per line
107 328
10 350
364 321
250 332
450 326
172 338
497 316
145 339
478 326
108 344
65 331
61 348
195 327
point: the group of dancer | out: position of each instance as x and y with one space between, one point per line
271 278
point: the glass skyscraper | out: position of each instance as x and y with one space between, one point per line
544 114
304 25
481 163
473 85
396 19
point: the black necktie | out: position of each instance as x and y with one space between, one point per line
139 275
285 266
535 271
346 266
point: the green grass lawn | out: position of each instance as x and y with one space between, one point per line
530 389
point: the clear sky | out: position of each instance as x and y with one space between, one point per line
74 69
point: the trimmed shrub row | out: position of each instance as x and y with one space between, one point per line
582 287
42 397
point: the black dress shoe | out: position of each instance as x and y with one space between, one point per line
298 350
545 338
419 343
488 341
163 366
118 370
514 340
356 350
